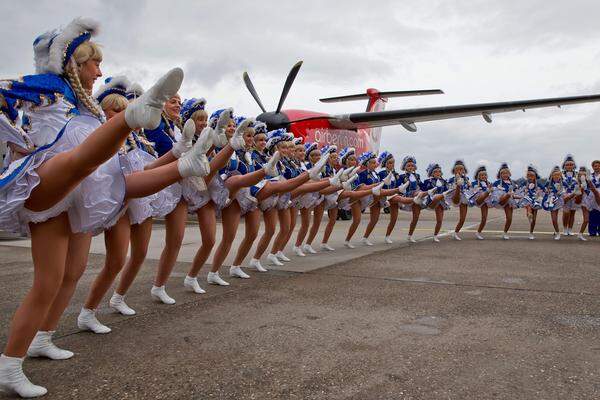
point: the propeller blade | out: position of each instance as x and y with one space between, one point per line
288 84
252 91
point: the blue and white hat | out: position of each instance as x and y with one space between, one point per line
329 148
345 153
384 158
569 157
503 166
406 160
431 169
461 163
309 148
259 127
134 91
53 50
214 117
239 119
190 106
556 168
532 168
298 140
113 85
366 157
479 169
275 137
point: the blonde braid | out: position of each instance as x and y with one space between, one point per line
82 95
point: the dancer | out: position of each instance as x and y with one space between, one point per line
410 176
35 197
593 201
570 184
554 197
531 192
459 197
371 176
503 196
582 194
480 196
433 196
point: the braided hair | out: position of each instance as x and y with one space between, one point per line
72 75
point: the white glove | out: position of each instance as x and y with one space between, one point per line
336 179
402 188
271 166
412 178
388 179
348 184
459 181
185 144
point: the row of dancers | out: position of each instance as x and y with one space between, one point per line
111 161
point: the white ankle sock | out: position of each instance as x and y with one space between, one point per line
13 380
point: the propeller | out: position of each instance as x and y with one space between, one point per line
286 87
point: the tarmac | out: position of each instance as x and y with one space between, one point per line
491 319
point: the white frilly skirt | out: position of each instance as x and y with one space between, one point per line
94 205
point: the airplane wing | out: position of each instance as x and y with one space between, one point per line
409 117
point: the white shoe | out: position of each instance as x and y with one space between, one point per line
274 260
298 251
505 236
236 272
282 257
194 162
377 189
117 302
146 110
581 237
42 346
455 236
237 141
315 171
388 240
327 247
479 236
411 239
271 166
366 241
531 236
571 233
254 263
349 245
214 279
87 321
348 184
419 201
14 381
336 180
160 294
192 284
307 248
436 238
556 236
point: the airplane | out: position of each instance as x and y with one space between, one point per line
363 130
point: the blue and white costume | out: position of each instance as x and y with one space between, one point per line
589 199
330 200
501 187
569 184
367 177
383 172
465 186
478 187
312 199
413 179
532 192
344 204
439 186
48 104
553 199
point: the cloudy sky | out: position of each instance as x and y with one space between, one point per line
475 50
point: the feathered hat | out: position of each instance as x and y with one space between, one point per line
366 157
134 91
408 159
461 163
328 149
238 120
190 106
113 85
53 50
503 166
569 157
298 140
345 153
275 137
532 168
308 148
479 169
214 117
432 167
259 127
384 158
554 169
